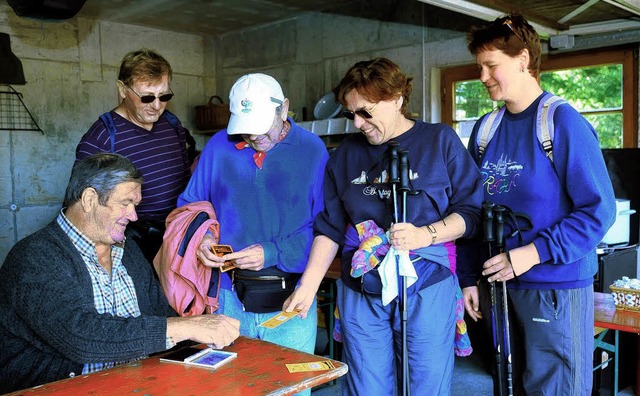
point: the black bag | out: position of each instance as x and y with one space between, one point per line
148 236
371 282
262 294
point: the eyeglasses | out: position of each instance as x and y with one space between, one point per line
150 98
364 113
509 24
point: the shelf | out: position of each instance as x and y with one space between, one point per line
332 126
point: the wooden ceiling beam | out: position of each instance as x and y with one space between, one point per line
530 15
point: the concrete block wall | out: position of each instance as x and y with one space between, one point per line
309 55
71 68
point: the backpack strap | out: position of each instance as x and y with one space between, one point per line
190 149
172 119
545 131
107 120
487 129
544 122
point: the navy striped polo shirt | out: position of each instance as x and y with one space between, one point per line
160 154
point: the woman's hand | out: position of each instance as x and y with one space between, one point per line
472 302
300 300
406 236
498 268
507 266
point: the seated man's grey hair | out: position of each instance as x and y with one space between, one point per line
103 172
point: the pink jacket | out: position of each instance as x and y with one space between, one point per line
184 279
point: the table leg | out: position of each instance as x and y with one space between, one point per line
615 362
613 349
638 366
332 309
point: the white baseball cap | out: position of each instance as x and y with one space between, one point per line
252 102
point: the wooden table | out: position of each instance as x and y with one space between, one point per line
259 369
607 316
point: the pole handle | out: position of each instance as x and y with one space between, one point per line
498 212
404 170
487 210
393 162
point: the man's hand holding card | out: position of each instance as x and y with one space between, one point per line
221 251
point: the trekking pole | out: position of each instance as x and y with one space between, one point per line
404 189
499 216
487 208
394 179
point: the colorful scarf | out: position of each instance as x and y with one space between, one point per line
372 244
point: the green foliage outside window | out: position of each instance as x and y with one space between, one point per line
595 91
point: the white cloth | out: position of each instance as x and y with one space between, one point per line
395 261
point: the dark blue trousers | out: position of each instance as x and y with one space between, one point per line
372 338
552 341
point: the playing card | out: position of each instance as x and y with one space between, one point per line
278 319
221 250
312 366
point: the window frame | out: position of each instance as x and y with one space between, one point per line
627 56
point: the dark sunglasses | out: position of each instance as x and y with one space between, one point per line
150 98
509 24
363 113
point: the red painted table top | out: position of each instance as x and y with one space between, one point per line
259 369
607 316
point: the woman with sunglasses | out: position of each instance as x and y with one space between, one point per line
141 129
567 194
365 217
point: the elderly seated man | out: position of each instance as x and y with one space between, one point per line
77 299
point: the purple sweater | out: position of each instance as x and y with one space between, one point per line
160 154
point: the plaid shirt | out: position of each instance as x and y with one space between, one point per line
113 293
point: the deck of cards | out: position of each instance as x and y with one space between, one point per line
208 357
221 250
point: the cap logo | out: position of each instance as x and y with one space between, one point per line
246 103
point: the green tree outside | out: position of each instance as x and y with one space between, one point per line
594 91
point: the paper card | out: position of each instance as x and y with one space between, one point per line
312 366
279 319
221 250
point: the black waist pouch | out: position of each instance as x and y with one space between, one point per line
262 294
371 282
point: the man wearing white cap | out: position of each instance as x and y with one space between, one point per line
264 178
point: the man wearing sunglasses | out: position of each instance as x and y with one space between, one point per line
141 129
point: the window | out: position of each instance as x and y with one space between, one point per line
600 84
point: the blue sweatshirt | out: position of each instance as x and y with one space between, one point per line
570 200
442 174
274 206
